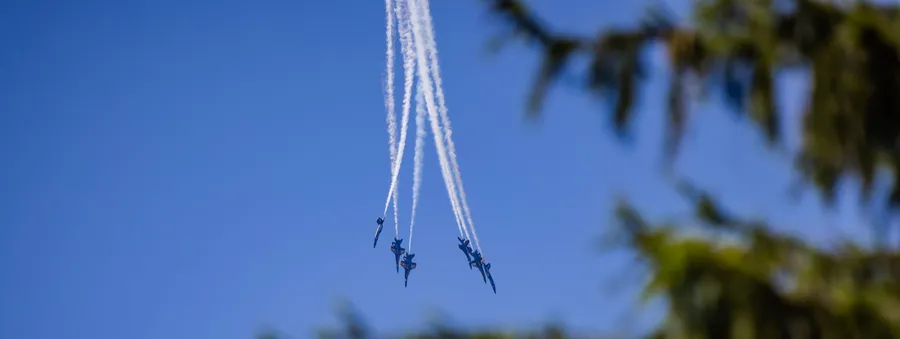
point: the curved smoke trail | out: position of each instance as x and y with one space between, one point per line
425 80
395 173
389 100
417 158
431 45
409 59
424 19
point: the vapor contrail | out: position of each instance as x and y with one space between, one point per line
389 101
409 59
454 199
395 172
431 44
423 14
417 158
425 80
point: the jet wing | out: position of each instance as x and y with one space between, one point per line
414 265
403 264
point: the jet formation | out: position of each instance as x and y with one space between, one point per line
473 258
430 92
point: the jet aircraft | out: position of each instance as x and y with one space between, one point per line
398 251
464 246
380 222
487 270
408 265
478 261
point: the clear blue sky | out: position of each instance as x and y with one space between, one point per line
184 169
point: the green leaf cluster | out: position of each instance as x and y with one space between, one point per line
851 124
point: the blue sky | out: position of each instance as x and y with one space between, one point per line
183 169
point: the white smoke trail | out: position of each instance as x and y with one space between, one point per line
409 59
396 199
431 45
424 17
395 172
425 80
454 202
418 158
389 100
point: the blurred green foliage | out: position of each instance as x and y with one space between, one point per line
757 284
851 125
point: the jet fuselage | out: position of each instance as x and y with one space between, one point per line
478 261
398 251
408 265
380 222
487 270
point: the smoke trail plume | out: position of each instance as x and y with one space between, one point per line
424 78
431 51
409 59
395 172
417 158
389 98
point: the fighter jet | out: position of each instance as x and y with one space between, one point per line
487 270
464 246
378 231
398 251
408 265
478 261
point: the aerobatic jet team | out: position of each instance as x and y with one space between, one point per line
420 65
474 258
